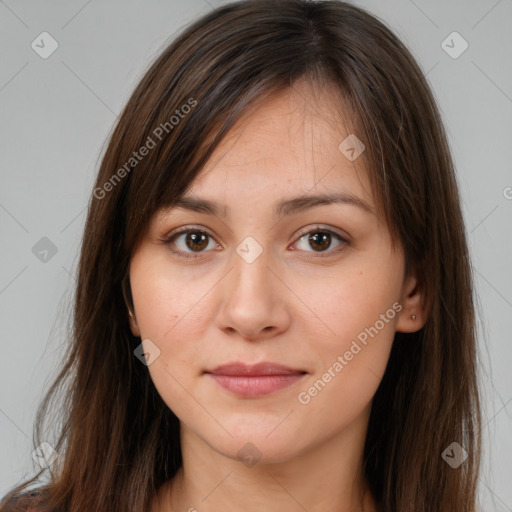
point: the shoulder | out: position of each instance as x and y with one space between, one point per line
26 502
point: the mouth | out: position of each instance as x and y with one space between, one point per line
255 380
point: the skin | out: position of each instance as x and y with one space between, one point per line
282 307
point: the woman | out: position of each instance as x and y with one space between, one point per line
274 301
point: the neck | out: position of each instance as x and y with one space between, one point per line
326 477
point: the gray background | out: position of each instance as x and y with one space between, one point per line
56 113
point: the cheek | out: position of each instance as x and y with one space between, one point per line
356 310
174 321
351 349
165 300
169 312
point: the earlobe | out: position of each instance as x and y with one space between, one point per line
414 313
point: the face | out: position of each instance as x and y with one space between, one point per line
314 287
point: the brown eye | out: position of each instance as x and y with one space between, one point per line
186 242
321 240
196 240
193 242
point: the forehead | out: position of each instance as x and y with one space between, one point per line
287 145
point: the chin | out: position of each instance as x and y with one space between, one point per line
256 447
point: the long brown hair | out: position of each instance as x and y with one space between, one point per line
118 442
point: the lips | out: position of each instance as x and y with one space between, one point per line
255 380
264 368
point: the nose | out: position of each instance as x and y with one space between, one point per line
253 300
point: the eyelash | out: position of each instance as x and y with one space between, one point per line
169 240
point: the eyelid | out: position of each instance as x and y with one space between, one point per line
320 227
323 227
188 227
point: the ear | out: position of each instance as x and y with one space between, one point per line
414 313
125 287
133 324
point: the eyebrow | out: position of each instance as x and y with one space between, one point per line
281 209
